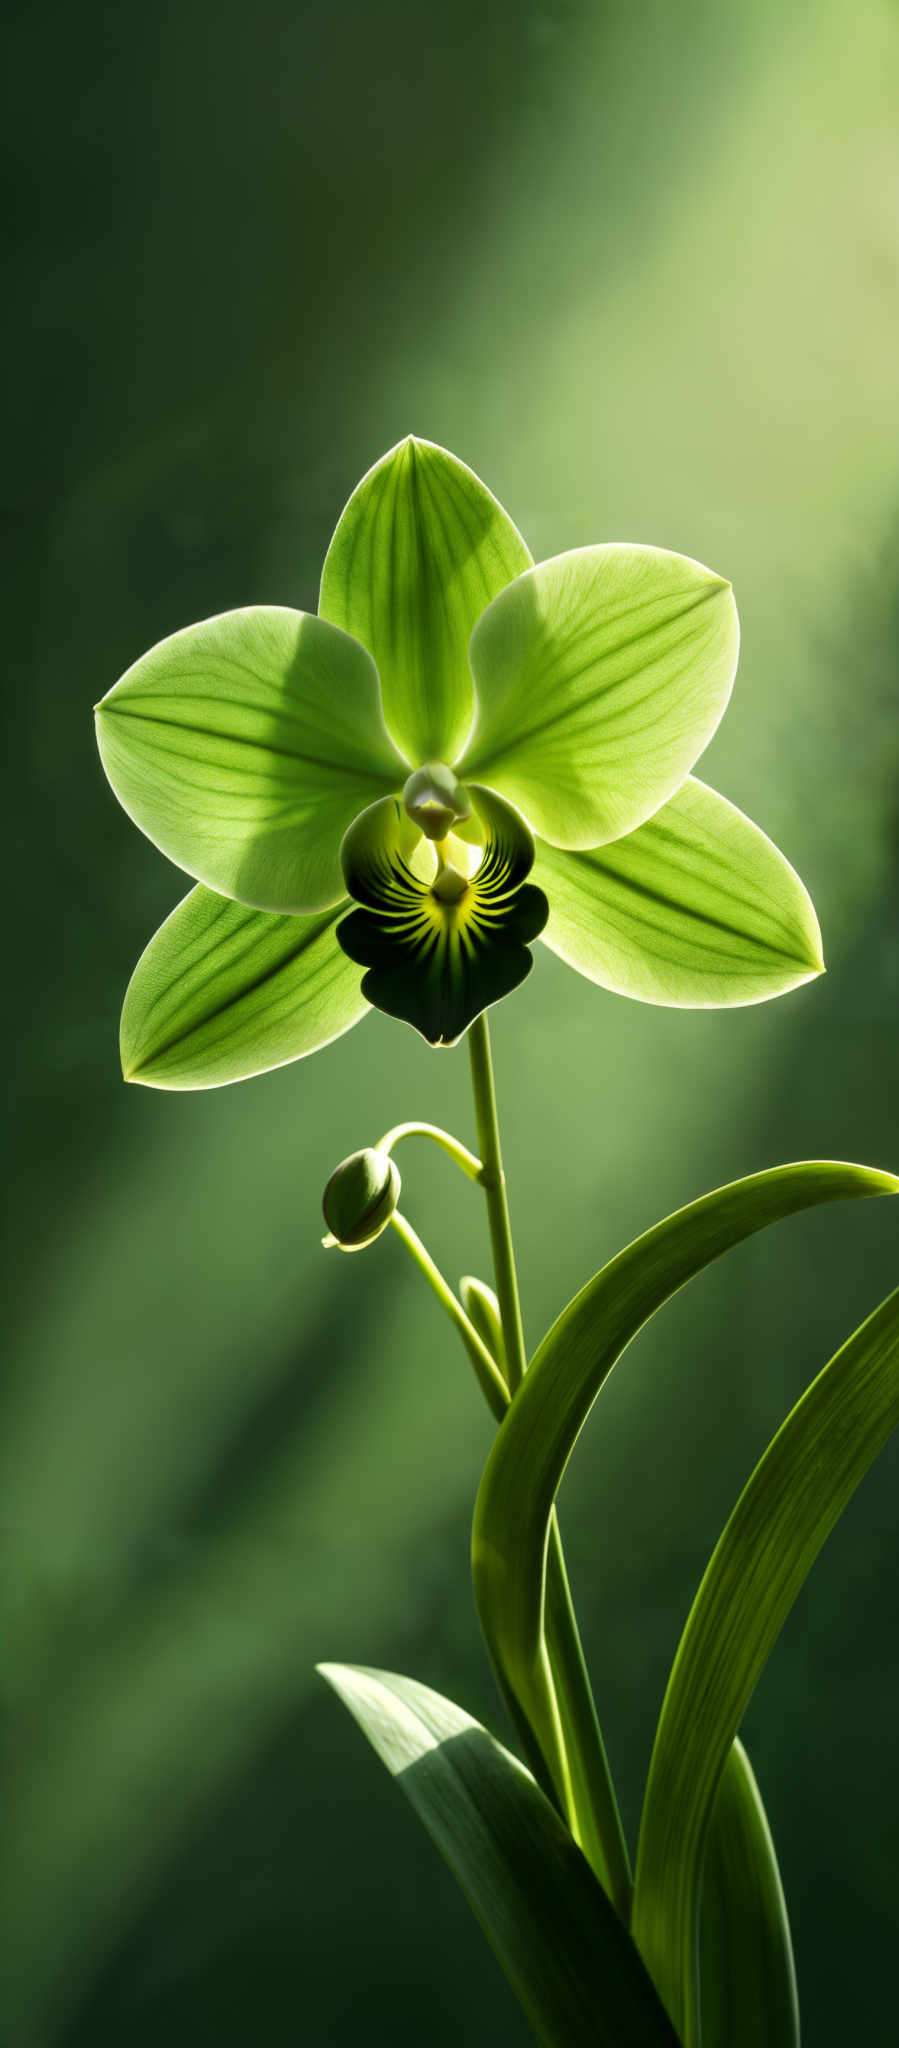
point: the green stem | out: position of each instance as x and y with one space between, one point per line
579 1766
496 1393
457 1152
494 1183
580 1776
490 1378
600 1831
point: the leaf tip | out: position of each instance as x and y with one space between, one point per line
877 1180
815 941
128 1057
339 1677
137 1066
811 963
404 449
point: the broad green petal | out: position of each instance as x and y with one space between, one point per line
786 1511
223 992
696 908
244 747
600 676
569 1961
419 551
438 959
746 1966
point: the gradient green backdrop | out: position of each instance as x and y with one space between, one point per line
638 266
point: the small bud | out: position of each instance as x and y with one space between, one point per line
482 1309
360 1199
434 800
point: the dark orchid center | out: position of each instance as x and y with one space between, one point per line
434 800
443 925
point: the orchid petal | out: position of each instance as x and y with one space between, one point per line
600 677
223 992
244 746
696 909
419 551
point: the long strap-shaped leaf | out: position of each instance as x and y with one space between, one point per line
789 1506
534 1443
567 1956
746 1956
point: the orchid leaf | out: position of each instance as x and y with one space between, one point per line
600 676
746 1955
531 1450
566 1954
418 553
695 908
795 1496
223 992
244 747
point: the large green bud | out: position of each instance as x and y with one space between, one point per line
360 1199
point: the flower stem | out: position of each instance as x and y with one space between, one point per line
493 1386
455 1151
567 1702
599 1826
580 1766
493 1181
489 1376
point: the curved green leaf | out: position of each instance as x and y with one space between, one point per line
696 908
569 1961
746 1955
245 746
796 1494
600 676
223 992
419 551
533 1445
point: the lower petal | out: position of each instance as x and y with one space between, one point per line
223 992
696 909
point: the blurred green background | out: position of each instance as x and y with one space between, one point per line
638 266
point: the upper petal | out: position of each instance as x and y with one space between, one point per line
244 746
697 908
418 552
600 676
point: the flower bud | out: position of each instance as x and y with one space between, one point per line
482 1309
360 1199
434 800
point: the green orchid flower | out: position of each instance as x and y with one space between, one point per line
387 803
